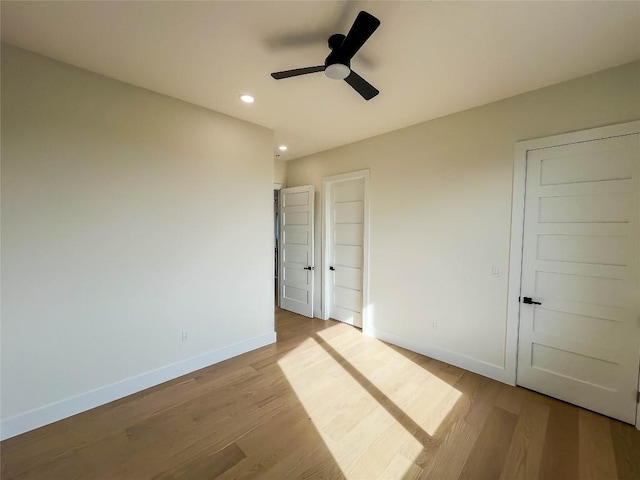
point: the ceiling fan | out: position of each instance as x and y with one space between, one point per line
337 65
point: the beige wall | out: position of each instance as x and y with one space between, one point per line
127 217
280 172
441 206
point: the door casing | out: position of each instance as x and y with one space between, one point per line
327 183
517 228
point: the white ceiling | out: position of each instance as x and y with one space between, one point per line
428 59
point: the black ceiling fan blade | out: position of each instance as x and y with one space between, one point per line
296 72
361 86
363 27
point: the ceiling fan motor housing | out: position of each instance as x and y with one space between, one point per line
335 67
335 41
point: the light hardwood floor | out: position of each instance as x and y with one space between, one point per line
328 402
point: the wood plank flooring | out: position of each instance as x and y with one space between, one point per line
328 402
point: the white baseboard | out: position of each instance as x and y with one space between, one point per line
53 412
452 358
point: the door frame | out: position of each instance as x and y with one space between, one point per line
517 228
327 183
276 245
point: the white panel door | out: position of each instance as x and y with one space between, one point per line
296 249
581 251
346 224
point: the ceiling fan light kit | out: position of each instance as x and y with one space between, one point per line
337 65
337 71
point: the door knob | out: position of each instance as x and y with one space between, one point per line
529 301
331 268
307 268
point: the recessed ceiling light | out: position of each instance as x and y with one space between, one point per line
282 148
246 98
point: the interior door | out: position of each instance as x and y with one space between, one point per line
579 337
296 249
346 224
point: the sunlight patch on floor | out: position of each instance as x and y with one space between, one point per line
377 399
397 377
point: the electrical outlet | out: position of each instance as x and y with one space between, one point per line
495 271
185 335
436 324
